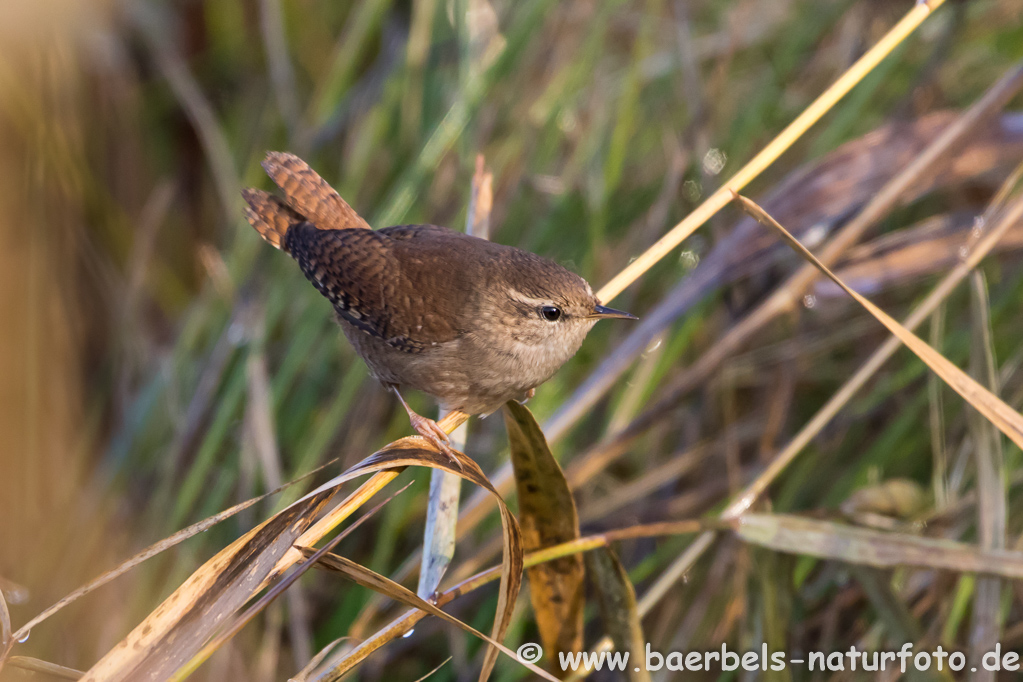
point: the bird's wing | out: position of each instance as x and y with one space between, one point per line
309 194
361 275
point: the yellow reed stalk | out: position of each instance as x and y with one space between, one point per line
771 152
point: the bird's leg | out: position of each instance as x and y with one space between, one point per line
429 429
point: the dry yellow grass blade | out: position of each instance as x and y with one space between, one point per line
991 406
827 540
767 156
449 423
548 517
413 451
785 297
1003 221
173 633
374 581
231 629
157 548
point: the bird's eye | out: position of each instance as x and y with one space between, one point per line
550 313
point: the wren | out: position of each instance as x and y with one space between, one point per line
470 322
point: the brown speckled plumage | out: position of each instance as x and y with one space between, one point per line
426 307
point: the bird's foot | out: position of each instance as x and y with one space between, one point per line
431 432
436 436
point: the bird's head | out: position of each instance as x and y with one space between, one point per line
545 312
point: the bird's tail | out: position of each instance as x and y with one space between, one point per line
307 197
269 215
309 194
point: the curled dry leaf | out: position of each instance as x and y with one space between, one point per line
176 631
415 451
548 517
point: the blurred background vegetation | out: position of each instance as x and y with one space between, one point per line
144 324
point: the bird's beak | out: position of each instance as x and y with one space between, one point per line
602 313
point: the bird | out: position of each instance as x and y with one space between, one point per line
470 322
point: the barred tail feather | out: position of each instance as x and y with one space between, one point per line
269 215
309 194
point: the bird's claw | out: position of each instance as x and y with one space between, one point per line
430 431
436 436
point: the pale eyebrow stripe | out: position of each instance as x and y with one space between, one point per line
523 298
